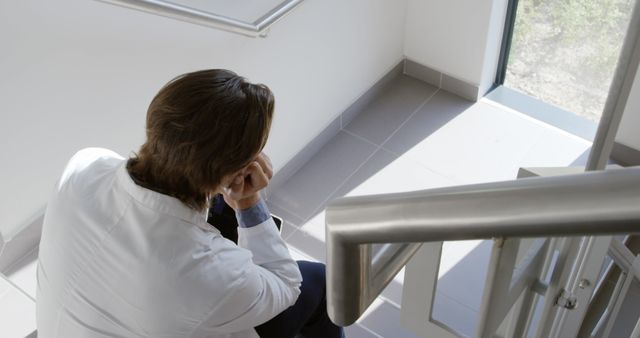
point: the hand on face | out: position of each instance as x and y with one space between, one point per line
242 191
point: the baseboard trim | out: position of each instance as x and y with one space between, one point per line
406 67
22 244
331 130
441 80
625 155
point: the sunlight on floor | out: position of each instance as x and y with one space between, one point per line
478 143
454 252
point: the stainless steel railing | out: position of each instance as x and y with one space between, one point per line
196 16
591 203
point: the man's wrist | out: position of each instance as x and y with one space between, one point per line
247 202
256 214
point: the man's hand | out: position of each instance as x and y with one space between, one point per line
243 192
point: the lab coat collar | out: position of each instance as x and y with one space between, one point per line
157 201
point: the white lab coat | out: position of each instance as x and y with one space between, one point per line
119 260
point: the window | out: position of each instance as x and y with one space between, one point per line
564 52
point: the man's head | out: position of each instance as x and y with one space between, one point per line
202 126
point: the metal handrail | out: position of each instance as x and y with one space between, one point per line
594 203
199 17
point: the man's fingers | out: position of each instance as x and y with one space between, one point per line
238 179
257 177
251 180
236 189
265 163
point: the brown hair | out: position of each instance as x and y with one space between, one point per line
201 126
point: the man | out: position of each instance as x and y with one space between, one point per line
126 250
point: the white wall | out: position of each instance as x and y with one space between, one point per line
79 73
629 131
460 38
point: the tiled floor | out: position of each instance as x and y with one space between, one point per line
412 137
17 310
23 273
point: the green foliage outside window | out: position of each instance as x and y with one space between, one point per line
565 51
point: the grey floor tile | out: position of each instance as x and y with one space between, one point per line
457 316
464 281
289 217
556 149
393 292
387 112
18 312
373 166
582 159
307 244
438 111
302 157
484 143
448 141
357 331
23 273
363 101
316 226
628 315
287 230
306 191
386 173
544 112
299 255
385 321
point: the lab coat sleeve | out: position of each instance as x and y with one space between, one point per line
267 282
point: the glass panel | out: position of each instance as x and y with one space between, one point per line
564 52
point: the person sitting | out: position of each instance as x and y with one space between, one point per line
126 250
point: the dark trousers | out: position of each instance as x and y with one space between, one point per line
308 317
